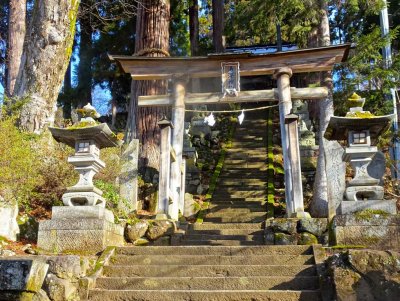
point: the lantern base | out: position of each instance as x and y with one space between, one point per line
80 229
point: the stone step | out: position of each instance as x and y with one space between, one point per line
254 150
244 188
250 165
244 161
257 127
235 210
220 242
240 194
211 226
239 205
199 236
208 283
234 178
244 173
241 182
246 135
251 139
226 251
205 295
249 145
233 200
208 270
227 232
236 219
255 156
212 259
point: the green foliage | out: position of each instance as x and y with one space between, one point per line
110 193
17 161
366 73
110 156
254 22
179 33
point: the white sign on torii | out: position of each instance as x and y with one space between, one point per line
281 65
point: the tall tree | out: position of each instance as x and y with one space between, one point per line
194 26
319 204
16 36
47 50
152 39
218 12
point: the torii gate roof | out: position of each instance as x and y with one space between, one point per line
303 60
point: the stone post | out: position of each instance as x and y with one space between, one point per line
282 76
183 183
128 179
178 120
294 161
165 165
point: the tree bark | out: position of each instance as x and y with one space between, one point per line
194 27
16 36
152 39
218 25
47 50
319 206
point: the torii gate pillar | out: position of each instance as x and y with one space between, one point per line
290 147
178 121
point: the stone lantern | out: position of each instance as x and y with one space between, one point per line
83 224
361 130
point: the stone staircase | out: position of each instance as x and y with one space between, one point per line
238 206
225 257
174 273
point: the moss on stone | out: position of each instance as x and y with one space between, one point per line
363 114
82 124
307 239
368 214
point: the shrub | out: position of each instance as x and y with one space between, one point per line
19 165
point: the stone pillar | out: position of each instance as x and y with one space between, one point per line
128 183
178 121
8 221
282 76
183 183
165 165
294 161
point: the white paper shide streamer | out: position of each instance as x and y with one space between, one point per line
241 117
210 120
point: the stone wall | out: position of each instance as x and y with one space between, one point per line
367 275
294 231
42 278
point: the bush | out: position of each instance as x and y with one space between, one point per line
19 165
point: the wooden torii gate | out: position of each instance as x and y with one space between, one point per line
178 69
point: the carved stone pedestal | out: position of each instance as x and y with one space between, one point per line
369 230
79 229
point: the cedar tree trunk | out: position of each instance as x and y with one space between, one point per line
218 24
152 39
319 205
16 36
47 50
194 26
